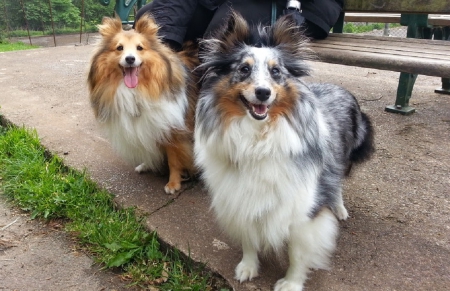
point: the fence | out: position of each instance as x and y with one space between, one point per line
379 29
32 21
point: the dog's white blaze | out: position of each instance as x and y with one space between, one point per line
260 73
139 124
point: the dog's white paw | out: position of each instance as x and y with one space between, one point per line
246 271
172 188
341 212
141 168
286 285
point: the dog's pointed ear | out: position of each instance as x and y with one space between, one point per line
286 31
110 26
291 41
238 26
235 31
146 25
223 41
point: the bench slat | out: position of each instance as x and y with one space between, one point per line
416 56
388 47
409 6
388 51
348 37
389 63
435 20
375 18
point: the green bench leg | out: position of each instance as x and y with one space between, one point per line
443 33
404 92
417 28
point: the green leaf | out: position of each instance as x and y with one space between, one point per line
113 246
34 214
121 259
129 246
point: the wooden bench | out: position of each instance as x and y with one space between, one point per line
416 54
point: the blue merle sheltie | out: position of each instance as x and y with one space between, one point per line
274 149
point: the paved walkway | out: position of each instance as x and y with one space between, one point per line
398 235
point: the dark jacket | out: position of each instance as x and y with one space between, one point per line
182 20
320 15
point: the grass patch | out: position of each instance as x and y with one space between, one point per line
41 184
350 27
6 46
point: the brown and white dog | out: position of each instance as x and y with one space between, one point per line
143 95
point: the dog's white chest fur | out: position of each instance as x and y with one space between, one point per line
257 189
138 125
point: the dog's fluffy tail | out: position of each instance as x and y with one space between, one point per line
364 151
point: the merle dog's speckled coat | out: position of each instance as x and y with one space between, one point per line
274 149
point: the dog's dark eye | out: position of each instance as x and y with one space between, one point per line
244 70
120 48
139 48
275 72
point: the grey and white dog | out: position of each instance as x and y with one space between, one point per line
273 149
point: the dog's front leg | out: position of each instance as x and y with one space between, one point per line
299 259
175 168
247 269
296 274
311 244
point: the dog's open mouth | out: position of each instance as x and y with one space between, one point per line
130 76
258 111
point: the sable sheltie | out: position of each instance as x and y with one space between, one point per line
273 149
143 95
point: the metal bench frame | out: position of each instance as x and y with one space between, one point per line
123 8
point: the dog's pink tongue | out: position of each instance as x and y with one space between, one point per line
130 78
260 109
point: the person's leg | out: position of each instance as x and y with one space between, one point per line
148 8
255 12
183 21
199 22
313 31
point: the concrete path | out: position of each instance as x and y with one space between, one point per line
398 235
38 256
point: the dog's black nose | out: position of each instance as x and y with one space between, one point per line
130 59
262 93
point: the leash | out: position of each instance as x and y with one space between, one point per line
274 12
291 6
